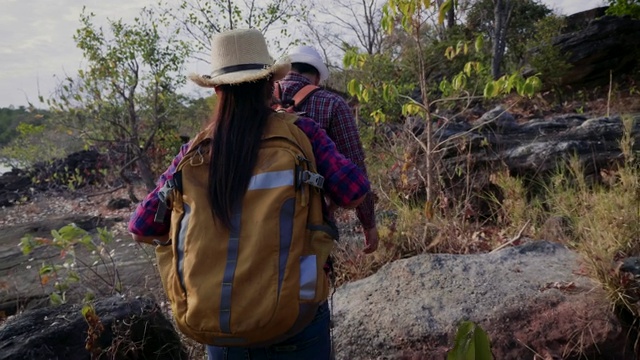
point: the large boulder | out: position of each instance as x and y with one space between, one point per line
607 44
530 299
124 329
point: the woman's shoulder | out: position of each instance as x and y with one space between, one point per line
308 125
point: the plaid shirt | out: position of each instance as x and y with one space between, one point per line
343 181
335 116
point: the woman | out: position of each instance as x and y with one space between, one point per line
243 77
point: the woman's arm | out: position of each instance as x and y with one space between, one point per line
142 224
150 239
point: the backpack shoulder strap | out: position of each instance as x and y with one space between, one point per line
277 94
201 137
194 150
303 94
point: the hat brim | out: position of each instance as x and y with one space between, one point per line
277 71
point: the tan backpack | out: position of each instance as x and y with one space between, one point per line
262 281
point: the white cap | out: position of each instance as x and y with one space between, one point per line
308 55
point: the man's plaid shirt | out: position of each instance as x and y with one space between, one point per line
335 116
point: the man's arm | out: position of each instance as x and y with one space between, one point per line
343 131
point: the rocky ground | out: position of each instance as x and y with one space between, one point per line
21 286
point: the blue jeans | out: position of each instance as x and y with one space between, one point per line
312 343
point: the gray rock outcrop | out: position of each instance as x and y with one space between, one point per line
609 43
532 150
528 298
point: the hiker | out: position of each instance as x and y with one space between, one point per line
333 113
243 76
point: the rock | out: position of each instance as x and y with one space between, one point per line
131 329
73 172
580 20
606 44
528 298
115 204
631 265
496 119
20 284
532 151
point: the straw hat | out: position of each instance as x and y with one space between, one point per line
239 56
308 55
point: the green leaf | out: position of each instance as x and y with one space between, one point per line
479 43
468 67
366 95
459 81
46 269
27 244
87 310
450 53
489 90
411 108
385 93
56 299
352 87
471 343
444 8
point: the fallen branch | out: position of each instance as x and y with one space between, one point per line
514 239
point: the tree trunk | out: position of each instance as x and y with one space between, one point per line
146 174
451 17
502 17
497 38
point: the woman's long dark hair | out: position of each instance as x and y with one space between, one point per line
237 126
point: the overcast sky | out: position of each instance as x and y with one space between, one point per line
37 44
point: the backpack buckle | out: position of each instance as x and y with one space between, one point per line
312 179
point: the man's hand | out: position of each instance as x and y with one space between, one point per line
370 240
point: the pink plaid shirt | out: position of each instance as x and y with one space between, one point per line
334 115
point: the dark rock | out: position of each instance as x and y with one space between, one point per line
532 151
631 265
607 44
75 171
116 204
131 329
498 119
582 19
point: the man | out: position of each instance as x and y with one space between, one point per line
333 114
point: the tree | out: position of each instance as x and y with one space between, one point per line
413 15
348 24
508 25
201 19
624 7
126 94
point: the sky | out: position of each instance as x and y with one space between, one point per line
37 47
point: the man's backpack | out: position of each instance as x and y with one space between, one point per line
293 105
261 281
